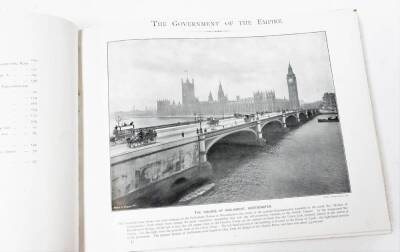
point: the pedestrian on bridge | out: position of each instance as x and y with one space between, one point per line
183 134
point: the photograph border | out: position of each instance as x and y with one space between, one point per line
222 37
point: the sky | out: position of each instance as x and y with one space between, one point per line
143 71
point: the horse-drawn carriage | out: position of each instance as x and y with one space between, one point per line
212 121
249 117
133 137
121 133
143 137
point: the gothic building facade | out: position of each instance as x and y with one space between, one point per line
260 101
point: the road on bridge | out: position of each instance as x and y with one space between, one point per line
171 134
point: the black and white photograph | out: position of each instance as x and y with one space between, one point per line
195 121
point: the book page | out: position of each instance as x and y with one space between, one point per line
202 132
38 133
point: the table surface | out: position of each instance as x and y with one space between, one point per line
380 28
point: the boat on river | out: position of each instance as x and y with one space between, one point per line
329 119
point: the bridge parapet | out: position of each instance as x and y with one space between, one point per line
218 132
147 150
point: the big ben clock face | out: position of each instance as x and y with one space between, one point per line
290 80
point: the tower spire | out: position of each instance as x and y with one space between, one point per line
210 97
221 95
290 70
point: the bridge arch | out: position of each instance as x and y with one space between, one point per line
273 122
302 117
242 136
272 130
291 121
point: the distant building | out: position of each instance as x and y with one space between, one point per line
188 92
329 101
261 101
189 101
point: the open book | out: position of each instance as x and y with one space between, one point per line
177 133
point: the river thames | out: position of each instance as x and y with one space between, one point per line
308 160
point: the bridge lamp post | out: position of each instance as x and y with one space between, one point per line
200 118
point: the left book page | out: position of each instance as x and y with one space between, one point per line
38 133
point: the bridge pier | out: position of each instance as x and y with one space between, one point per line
298 117
260 140
259 130
284 121
202 148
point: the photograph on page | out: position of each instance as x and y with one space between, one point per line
224 119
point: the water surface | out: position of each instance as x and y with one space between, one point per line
308 160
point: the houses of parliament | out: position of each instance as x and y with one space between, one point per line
261 101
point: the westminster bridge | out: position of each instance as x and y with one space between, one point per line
157 172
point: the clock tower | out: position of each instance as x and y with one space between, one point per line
292 88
